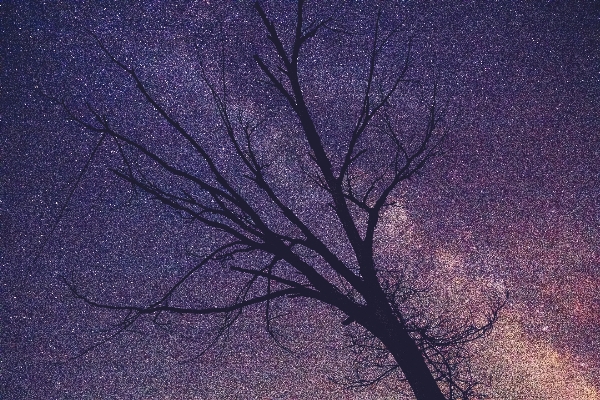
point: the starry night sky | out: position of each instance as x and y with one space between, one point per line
513 203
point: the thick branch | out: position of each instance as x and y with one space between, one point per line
297 102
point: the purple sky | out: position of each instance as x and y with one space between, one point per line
513 203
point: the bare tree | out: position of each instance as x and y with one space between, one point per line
283 251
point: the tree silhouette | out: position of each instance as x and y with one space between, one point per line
266 236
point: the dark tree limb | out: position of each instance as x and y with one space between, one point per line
288 257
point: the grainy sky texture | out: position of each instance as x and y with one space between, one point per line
513 203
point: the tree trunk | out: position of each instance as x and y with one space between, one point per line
409 357
403 348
